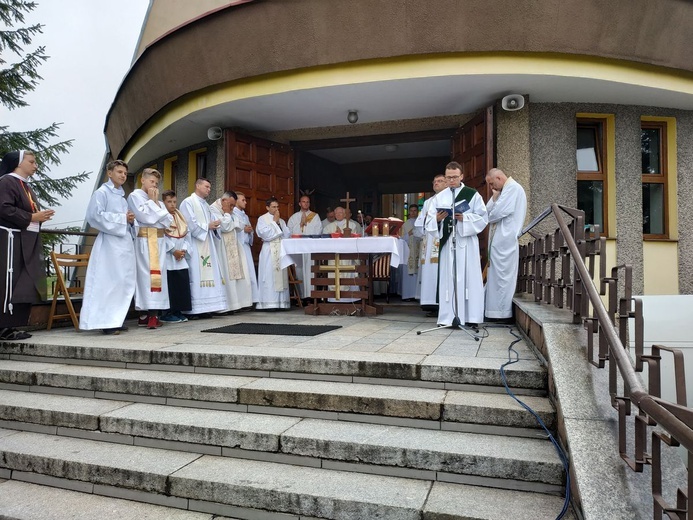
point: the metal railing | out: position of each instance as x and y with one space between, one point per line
559 268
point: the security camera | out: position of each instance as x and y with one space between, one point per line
513 102
214 133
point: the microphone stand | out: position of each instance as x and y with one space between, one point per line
456 323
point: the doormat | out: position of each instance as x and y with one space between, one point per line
278 329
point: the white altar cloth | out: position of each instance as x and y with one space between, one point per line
293 248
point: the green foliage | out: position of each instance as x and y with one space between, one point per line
17 79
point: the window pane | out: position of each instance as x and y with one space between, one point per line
650 143
201 165
591 201
653 209
587 150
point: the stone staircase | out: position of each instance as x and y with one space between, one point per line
271 433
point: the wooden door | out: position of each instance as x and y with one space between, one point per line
473 146
260 169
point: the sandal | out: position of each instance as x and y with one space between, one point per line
9 334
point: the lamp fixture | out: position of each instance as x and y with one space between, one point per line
391 148
352 116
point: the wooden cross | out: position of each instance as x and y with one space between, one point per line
337 270
347 200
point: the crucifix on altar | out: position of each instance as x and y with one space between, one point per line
347 201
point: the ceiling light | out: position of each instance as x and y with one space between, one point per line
391 148
353 116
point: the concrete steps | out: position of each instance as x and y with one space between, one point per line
252 489
323 399
433 371
500 461
261 432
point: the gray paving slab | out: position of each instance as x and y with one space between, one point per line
497 409
218 428
151 383
483 371
299 490
25 501
55 410
421 403
292 359
473 454
448 501
145 469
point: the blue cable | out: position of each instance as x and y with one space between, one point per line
559 450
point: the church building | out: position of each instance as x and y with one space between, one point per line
584 102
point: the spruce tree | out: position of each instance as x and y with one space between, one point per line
19 76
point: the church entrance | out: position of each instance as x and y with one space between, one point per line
384 173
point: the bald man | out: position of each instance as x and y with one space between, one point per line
506 215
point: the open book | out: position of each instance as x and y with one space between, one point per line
460 208
393 222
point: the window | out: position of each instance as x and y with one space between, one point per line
591 172
653 139
197 167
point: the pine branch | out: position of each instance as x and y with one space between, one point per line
20 78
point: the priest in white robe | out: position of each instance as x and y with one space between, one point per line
231 254
506 215
410 270
460 260
206 281
245 236
304 222
152 218
341 221
427 292
273 281
110 281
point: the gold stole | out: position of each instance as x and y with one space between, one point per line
154 266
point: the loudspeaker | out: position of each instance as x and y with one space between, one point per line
214 133
513 102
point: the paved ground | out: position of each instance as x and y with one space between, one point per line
395 331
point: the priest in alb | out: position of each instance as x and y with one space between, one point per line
410 271
427 292
304 222
273 281
506 215
460 260
206 281
244 235
341 221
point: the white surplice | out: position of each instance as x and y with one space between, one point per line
314 227
149 214
273 281
110 281
206 297
245 241
410 267
506 215
469 297
232 259
428 269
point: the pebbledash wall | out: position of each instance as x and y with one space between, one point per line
659 266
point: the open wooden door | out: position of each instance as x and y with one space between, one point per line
260 169
473 146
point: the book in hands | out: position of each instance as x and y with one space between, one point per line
461 207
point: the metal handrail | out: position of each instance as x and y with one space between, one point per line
675 418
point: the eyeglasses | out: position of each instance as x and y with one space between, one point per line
452 178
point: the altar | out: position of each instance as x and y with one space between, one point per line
348 261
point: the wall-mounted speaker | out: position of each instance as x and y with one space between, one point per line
214 133
513 102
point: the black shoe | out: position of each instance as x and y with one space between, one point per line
123 328
111 332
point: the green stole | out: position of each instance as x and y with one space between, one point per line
466 193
